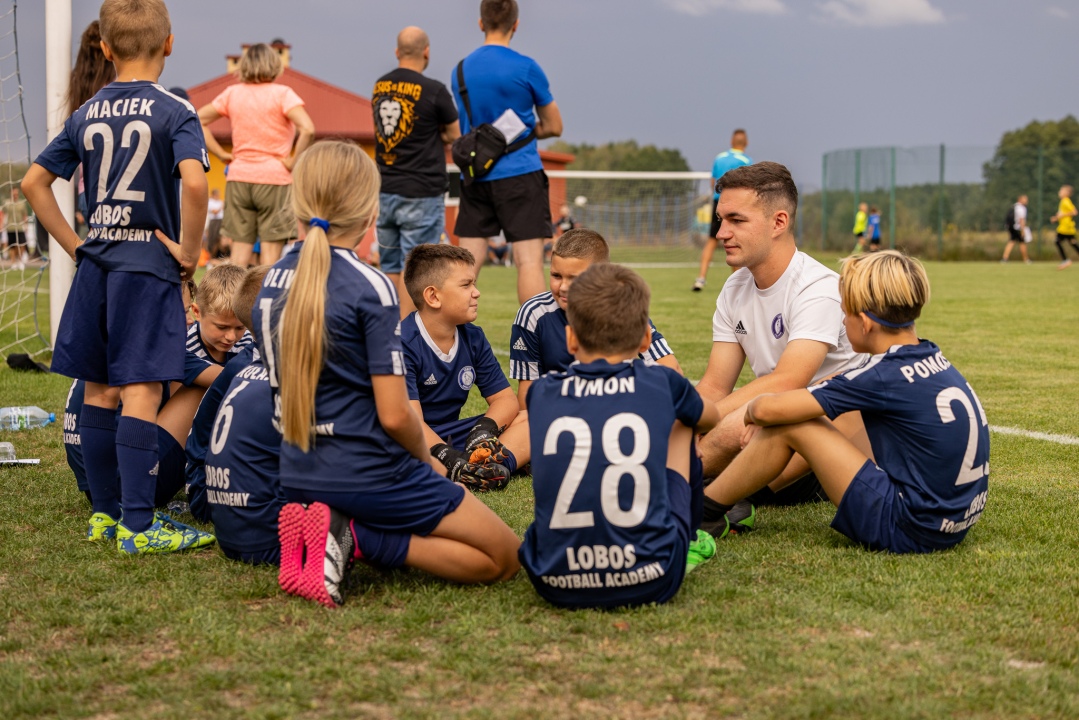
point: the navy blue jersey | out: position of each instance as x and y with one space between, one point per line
198 440
130 139
873 229
350 450
599 434
242 489
441 381
538 340
198 356
928 432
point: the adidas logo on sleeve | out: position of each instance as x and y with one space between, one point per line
520 344
431 380
740 329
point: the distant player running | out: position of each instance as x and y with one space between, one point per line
927 480
1065 220
861 221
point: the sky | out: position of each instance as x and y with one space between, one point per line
803 77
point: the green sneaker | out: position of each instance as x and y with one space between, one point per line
741 518
701 551
163 536
102 527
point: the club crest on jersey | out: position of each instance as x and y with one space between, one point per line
466 378
777 326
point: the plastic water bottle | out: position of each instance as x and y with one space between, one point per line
21 418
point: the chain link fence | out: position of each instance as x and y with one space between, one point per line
940 202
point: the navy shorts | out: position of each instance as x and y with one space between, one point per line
868 514
171 467
414 506
120 328
270 556
456 433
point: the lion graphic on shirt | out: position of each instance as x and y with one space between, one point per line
395 119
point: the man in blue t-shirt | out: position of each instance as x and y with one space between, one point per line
873 229
726 160
507 89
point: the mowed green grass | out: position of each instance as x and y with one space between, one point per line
792 621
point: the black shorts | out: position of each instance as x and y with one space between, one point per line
1015 234
1061 237
716 221
518 206
16 238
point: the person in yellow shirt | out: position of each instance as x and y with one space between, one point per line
861 220
1065 220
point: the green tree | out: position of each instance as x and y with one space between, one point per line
625 156
1013 171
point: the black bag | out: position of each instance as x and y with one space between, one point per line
1009 219
477 151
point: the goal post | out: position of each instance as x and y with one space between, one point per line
57 73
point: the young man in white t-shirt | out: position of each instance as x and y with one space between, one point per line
1018 231
779 310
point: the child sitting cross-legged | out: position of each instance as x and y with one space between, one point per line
445 356
616 477
927 480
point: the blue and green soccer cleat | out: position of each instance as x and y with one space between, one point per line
102 527
164 536
701 551
741 518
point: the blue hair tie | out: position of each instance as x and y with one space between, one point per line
319 222
886 323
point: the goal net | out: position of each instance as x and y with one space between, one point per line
24 302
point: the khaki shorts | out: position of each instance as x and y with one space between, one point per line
258 212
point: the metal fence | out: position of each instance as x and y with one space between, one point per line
941 202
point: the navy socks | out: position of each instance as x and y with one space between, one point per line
137 456
97 428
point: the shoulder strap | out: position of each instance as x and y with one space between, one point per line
521 141
463 90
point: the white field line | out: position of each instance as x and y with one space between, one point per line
659 265
1047 437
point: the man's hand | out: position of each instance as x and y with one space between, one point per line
187 265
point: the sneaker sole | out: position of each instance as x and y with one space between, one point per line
316 527
290 534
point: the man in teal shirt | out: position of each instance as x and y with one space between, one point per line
728 160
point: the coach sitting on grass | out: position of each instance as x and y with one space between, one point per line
780 310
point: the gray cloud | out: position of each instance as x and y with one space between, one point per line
882 13
698 8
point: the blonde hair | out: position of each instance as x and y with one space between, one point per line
337 182
260 63
887 284
214 294
134 29
243 300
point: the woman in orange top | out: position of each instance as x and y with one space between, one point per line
266 117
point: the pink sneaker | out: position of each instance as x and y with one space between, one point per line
290 533
327 535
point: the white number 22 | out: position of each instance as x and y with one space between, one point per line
123 188
968 473
620 465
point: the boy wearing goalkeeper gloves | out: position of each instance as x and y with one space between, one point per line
616 477
445 355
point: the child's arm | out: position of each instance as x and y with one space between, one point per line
709 418
671 362
430 436
37 187
206 377
398 419
502 407
783 408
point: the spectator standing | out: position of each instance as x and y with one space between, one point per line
1018 232
726 160
266 118
513 197
414 119
15 212
215 213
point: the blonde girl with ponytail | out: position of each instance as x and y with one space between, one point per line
355 466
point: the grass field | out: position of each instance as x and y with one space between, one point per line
791 621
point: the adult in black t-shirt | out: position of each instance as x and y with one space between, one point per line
415 117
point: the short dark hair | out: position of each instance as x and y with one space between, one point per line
498 15
243 300
582 244
771 182
429 265
608 308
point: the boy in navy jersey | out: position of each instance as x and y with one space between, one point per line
122 327
617 482
445 355
538 338
927 481
233 450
